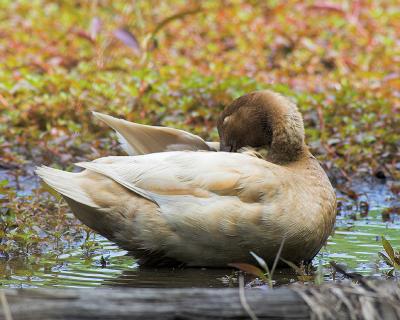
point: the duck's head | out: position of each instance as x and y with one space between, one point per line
263 119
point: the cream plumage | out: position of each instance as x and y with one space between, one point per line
199 208
139 139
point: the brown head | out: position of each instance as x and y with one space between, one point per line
263 119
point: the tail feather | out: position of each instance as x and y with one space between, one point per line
66 183
98 217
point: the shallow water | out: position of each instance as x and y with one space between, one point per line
355 244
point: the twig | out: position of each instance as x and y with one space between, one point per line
316 311
243 300
278 255
350 275
175 16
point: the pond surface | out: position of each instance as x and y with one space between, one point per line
355 244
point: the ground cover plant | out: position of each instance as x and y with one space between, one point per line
178 63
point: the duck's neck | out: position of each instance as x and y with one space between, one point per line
264 152
288 139
285 154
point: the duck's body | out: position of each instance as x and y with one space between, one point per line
202 208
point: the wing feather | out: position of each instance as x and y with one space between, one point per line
137 139
197 174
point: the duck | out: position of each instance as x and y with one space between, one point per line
177 199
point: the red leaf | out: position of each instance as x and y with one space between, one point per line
250 269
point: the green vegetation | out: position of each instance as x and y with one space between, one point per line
390 256
178 63
62 59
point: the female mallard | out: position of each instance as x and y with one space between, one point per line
208 208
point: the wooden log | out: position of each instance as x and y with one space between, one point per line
291 302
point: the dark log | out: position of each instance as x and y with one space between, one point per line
336 301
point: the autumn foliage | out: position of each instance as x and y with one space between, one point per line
178 63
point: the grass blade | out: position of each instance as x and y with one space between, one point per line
278 256
260 261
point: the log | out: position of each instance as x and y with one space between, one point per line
328 301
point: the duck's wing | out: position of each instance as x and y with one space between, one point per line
171 176
176 202
137 139
197 187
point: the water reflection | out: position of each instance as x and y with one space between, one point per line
355 243
143 277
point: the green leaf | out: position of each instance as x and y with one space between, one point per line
4 182
385 258
397 261
389 249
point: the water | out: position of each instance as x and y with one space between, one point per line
355 244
